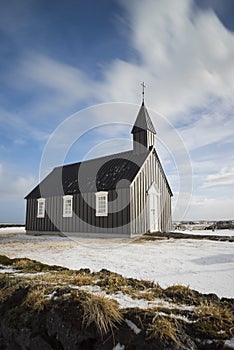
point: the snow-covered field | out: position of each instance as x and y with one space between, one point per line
12 229
204 265
208 232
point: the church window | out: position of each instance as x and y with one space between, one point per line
67 206
102 203
41 207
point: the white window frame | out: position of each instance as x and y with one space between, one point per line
101 203
67 213
40 207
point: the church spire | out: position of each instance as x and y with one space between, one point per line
143 130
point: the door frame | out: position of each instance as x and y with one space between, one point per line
153 198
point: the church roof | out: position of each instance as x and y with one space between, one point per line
143 121
100 174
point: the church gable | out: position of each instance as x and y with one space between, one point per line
150 174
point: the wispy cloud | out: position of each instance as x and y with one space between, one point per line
201 207
17 185
13 188
175 48
224 177
210 208
21 126
208 129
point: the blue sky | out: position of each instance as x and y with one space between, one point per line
60 57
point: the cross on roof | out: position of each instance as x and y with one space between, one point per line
143 91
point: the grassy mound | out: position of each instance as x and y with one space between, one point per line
90 303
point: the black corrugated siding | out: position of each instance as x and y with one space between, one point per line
84 218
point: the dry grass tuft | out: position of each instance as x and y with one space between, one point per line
36 299
66 277
213 318
8 286
82 280
148 237
148 294
4 260
3 296
32 266
28 265
112 283
6 293
78 279
163 329
101 311
179 293
2 276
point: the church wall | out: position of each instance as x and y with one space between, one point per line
151 172
84 219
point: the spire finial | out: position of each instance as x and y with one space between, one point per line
143 92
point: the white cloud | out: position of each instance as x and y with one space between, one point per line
60 85
208 129
182 65
13 186
21 126
200 207
19 141
1 169
210 208
178 58
224 177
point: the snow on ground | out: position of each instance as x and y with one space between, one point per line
226 232
207 232
118 346
230 343
204 265
6 269
133 327
12 229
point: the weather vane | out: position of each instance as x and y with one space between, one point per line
143 91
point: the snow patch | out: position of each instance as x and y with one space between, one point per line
229 343
224 232
91 289
12 230
52 295
118 347
133 327
127 302
177 317
6 269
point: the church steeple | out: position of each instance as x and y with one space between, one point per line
143 130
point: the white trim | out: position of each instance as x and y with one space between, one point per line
103 210
67 209
40 207
153 207
153 189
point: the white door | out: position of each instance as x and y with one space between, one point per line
153 209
